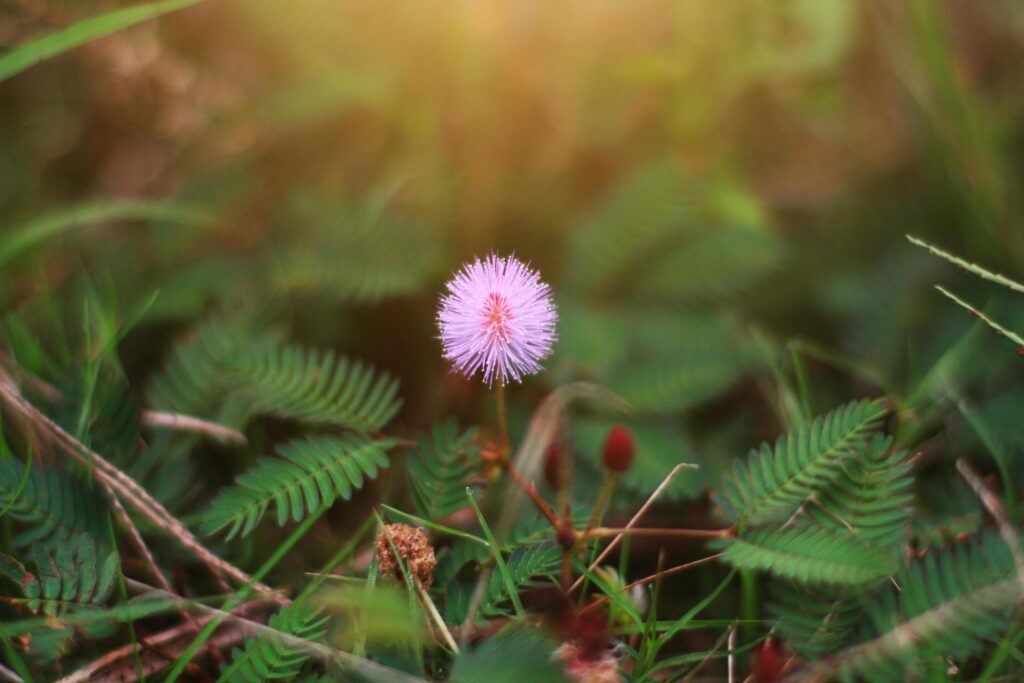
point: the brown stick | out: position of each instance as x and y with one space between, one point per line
124 485
531 491
635 519
187 423
654 577
605 532
119 664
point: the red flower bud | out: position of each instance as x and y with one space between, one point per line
769 661
619 449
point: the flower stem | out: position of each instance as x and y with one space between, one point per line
604 497
503 444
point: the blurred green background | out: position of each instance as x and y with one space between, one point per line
718 193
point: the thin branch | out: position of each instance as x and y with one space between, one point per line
995 508
531 490
119 664
732 658
143 549
632 522
9 676
187 423
655 577
322 653
428 603
124 485
605 532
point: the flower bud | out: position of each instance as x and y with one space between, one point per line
769 661
619 449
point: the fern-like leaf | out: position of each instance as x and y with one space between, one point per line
950 604
440 468
871 496
524 565
809 554
70 575
816 621
270 658
53 505
775 482
198 378
313 472
318 387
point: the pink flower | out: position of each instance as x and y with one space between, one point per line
497 315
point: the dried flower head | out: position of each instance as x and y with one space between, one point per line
498 316
413 546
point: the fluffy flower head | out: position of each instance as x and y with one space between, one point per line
497 316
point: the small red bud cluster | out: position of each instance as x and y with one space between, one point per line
619 449
769 661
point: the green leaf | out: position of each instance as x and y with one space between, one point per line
524 567
870 496
313 472
440 468
513 655
317 387
775 481
949 605
38 229
53 505
809 555
268 657
229 372
28 55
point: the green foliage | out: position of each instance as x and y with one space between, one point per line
776 481
313 472
526 567
316 387
816 621
810 555
67 576
870 496
230 376
268 657
513 655
362 253
40 228
198 379
440 468
28 55
53 506
949 604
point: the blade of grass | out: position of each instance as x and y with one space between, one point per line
433 525
968 266
31 53
36 230
506 578
1012 336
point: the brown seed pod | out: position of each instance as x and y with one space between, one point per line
413 546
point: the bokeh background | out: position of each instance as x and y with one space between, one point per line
719 194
